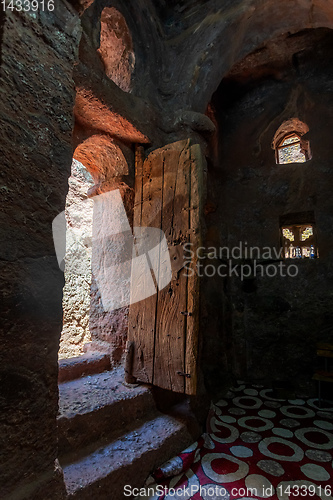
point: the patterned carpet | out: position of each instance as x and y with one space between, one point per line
256 447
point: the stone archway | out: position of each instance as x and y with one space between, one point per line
100 165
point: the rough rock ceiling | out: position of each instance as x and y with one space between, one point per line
183 49
282 56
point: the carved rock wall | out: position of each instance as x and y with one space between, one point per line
39 51
267 328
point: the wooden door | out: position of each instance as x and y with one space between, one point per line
163 328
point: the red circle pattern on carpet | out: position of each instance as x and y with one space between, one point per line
256 447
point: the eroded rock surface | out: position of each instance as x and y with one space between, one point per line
76 293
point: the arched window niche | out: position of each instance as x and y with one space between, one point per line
289 143
116 48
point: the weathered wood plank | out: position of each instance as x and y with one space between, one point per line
165 326
193 290
137 213
172 302
139 161
143 313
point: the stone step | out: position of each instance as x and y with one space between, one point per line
99 408
87 364
126 461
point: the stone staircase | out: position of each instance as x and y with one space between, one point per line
112 435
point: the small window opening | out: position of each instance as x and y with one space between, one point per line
299 241
289 144
290 150
298 236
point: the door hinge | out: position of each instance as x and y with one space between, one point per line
182 374
186 313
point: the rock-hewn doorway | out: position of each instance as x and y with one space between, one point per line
76 293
